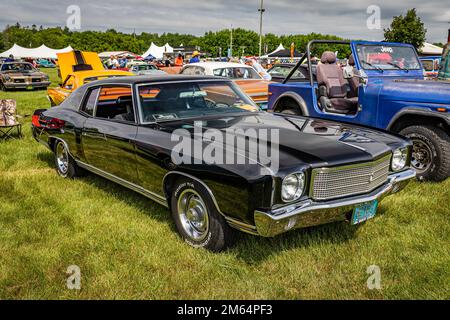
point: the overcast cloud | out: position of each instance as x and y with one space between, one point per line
345 18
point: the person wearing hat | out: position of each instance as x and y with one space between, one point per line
195 57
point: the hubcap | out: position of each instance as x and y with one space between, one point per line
422 156
193 214
62 158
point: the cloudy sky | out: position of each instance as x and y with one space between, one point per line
346 18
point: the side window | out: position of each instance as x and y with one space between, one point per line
89 103
115 103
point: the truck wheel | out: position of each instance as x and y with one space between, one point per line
65 165
2 87
431 152
197 219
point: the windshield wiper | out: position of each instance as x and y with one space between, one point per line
371 65
397 66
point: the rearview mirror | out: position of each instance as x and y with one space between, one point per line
192 94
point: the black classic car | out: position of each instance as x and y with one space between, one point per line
127 129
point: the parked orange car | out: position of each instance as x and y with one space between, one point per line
244 76
77 68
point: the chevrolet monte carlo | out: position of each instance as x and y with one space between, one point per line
123 129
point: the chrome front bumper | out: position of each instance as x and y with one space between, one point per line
25 85
310 213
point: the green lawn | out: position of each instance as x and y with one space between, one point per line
127 247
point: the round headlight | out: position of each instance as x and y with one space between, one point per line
292 187
399 159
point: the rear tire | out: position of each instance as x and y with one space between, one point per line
66 166
431 152
197 219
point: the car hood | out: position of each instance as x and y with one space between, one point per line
416 90
303 142
76 61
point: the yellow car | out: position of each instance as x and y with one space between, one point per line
77 68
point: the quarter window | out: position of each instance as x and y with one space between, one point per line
90 102
115 103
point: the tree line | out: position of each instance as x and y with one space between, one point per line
407 29
245 42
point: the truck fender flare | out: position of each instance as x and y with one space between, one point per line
297 98
418 112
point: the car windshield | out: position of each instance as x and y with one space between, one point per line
237 73
17 67
174 101
144 67
283 71
388 57
428 65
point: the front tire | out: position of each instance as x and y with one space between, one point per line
197 219
293 112
65 165
431 152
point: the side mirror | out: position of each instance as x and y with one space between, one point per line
361 75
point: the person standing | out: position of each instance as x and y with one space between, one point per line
195 57
179 61
262 72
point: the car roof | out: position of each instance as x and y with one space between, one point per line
155 78
218 65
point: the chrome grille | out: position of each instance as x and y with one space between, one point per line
336 182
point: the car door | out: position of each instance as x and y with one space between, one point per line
108 136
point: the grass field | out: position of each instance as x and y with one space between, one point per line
126 245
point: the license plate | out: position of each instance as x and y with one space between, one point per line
364 212
29 87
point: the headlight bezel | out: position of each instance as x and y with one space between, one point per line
300 178
402 155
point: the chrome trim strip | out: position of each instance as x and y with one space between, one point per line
153 196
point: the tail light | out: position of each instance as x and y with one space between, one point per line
35 118
41 121
55 123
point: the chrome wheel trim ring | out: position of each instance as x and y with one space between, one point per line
422 156
193 214
62 158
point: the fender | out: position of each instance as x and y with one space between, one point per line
418 112
300 102
231 221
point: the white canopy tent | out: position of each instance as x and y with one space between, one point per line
280 48
39 52
157 52
107 54
430 49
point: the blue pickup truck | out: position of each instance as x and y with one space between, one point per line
381 86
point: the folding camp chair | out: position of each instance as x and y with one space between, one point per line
8 120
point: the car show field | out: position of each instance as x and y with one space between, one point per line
127 247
